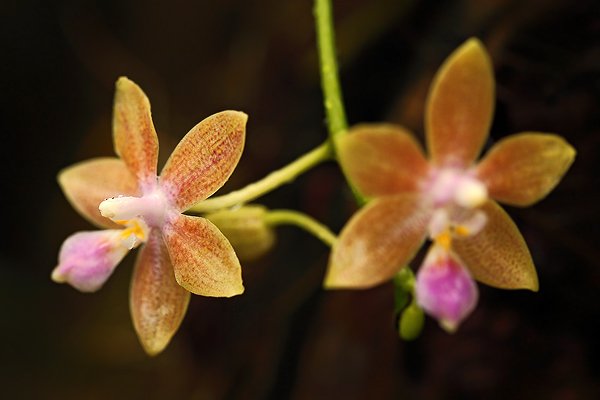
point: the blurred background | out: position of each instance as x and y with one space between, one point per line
286 338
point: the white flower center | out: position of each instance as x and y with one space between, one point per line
451 185
141 212
455 194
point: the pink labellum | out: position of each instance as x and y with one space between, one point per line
444 288
87 259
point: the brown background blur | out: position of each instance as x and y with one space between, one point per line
286 337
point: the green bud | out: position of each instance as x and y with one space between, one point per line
403 288
400 299
246 230
411 322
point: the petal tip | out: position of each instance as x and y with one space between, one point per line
123 82
238 114
125 87
60 177
533 284
331 281
341 278
559 149
57 275
474 43
237 291
232 290
473 47
339 274
237 117
476 48
569 153
156 345
449 326
225 290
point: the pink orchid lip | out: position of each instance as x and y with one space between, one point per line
87 259
445 289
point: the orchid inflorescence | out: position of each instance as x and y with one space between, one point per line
447 198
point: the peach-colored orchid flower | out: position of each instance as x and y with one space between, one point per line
180 253
449 197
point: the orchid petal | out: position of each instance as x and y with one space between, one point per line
444 288
133 131
88 183
87 259
203 259
204 159
379 240
460 106
158 304
524 168
498 255
382 159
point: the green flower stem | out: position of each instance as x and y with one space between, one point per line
268 183
291 217
330 82
332 93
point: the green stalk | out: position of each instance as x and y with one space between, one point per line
332 93
330 82
268 183
292 217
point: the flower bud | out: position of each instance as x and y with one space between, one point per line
403 288
444 288
246 230
411 322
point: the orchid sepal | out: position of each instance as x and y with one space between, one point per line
89 182
203 260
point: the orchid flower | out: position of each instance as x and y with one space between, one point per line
449 198
180 253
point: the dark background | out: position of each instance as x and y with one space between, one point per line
286 337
